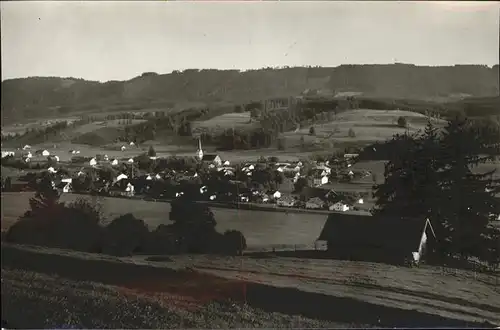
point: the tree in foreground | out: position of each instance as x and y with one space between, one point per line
430 176
194 224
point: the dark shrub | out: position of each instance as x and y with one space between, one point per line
124 236
234 242
53 224
402 122
163 240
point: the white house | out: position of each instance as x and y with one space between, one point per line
212 159
324 168
67 180
67 187
130 189
106 158
203 189
7 153
114 162
93 162
130 160
45 153
226 163
321 180
339 206
123 148
121 177
275 194
157 176
28 155
51 170
26 147
149 177
131 144
361 201
80 173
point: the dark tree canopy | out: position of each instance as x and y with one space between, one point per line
430 176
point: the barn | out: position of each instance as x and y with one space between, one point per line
377 239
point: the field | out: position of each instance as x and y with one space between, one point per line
90 127
20 128
261 229
222 122
380 295
368 125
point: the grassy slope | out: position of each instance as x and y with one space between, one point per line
342 292
368 125
37 300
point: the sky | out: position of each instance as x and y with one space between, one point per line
120 40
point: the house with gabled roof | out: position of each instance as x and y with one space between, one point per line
212 159
377 239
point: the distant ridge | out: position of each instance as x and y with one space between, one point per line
37 96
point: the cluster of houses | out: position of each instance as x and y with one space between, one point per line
170 184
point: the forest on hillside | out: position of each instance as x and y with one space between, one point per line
41 96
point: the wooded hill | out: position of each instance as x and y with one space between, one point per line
42 96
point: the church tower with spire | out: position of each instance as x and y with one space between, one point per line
199 153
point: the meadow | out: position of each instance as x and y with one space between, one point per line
368 125
116 123
262 229
222 122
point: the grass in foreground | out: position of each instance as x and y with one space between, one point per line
35 300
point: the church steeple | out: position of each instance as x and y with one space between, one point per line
200 150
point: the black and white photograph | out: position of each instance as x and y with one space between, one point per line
250 164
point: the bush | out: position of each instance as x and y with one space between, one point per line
53 224
163 240
402 122
124 236
312 131
234 242
351 133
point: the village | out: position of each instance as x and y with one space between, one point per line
204 177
